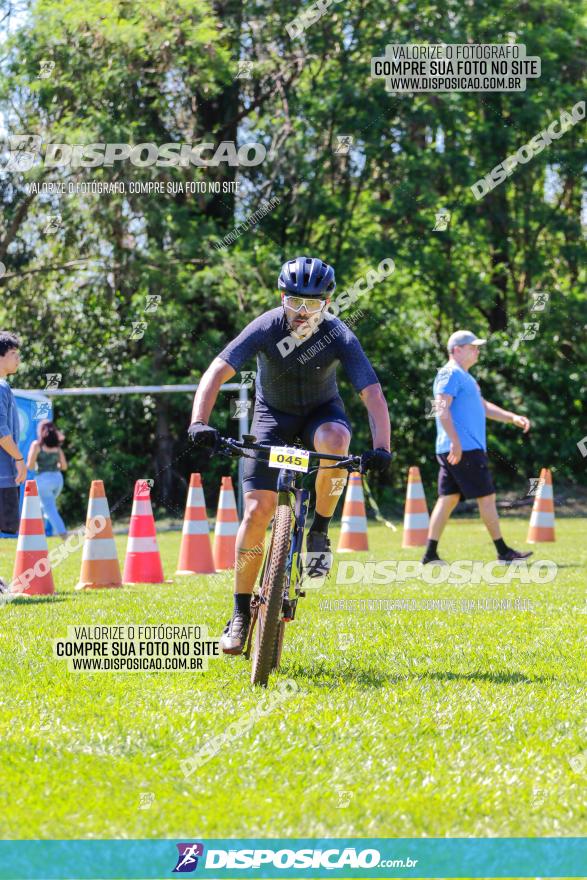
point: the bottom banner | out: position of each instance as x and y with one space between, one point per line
279 857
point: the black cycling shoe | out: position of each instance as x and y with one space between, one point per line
318 560
513 556
432 560
234 635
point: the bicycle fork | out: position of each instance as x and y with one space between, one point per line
294 571
294 560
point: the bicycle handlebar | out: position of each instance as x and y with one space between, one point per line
237 448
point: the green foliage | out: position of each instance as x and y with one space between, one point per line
158 72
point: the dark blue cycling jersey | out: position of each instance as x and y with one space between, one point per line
305 376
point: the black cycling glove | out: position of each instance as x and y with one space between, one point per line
375 460
203 435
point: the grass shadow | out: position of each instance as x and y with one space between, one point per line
372 678
493 677
38 600
568 565
319 674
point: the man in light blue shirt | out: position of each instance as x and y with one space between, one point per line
461 445
466 408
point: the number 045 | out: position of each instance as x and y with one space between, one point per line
289 459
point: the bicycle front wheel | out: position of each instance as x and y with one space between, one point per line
267 649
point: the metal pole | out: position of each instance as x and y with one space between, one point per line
122 389
243 396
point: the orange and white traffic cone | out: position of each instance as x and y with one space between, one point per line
32 575
195 555
100 567
416 519
353 534
542 519
143 561
226 527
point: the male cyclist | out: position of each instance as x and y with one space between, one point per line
296 396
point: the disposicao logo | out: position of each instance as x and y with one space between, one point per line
331 859
187 860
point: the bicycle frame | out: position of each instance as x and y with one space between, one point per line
286 487
287 490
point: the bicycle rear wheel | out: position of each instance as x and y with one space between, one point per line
268 636
278 646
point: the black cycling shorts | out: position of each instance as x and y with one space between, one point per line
9 510
273 426
470 478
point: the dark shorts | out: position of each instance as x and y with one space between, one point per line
273 426
470 478
9 510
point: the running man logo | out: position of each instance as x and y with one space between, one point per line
442 221
345 640
337 485
53 380
538 797
314 563
578 763
146 799
153 301
434 408
53 224
247 378
46 68
245 70
24 150
530 332
187 860
344 143
41 410
344 796
536 485
540 302
138 329
241 407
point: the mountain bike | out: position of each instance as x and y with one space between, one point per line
282 577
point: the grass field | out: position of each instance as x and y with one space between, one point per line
412 723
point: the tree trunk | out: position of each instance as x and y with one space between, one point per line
164 455
495 207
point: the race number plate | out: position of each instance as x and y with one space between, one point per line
292 459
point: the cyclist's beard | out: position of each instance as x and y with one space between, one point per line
305 327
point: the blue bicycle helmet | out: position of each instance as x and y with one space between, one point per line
307 276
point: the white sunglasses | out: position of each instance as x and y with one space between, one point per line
296 303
